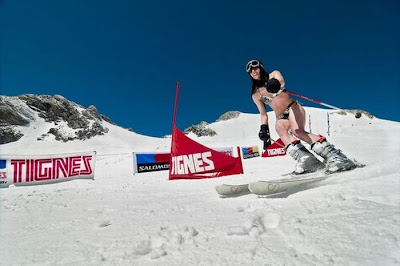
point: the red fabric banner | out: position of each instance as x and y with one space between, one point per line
191 160
275 149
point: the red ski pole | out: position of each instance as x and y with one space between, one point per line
358 114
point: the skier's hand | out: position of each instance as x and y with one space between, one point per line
273 85
263 134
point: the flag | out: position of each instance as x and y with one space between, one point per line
192 160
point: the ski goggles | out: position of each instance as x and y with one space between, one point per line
253 64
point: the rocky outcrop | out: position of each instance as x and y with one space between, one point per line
9 134
228 115
200 130
13 115
24 109
357 112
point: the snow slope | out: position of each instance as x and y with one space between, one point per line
124 219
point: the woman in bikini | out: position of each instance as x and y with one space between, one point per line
269 88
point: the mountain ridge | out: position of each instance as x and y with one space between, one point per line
22 110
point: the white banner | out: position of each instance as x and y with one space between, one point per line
225 150
26 170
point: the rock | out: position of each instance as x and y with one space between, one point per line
200 130
228 115
356 112
21 111
8 134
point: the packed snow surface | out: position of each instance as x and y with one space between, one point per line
120 218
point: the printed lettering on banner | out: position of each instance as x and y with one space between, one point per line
276 152
192 160
32 170
192 163
153 167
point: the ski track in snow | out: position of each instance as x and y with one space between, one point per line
123 219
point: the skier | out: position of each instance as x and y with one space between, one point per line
269 88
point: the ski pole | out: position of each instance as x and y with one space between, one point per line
357 115
277 143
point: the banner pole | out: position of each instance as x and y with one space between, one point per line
173 130
176 104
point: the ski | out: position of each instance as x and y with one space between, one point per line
272 187
277 186
232 190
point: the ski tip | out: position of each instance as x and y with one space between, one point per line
264 188
232 190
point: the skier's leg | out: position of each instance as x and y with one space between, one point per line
297 118
306 161
336 161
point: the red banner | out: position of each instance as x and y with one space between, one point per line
275 149
191 160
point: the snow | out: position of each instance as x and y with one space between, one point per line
123 219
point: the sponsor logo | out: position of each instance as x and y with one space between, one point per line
3 182
29 170
250 155
250 152
274 152
153 167
3 169
3 175
192 163
3 164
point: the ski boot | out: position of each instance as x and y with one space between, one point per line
306 161
335 160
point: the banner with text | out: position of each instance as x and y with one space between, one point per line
275 149
192 160
29 170
250 152
149 162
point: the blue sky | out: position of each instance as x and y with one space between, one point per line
125 57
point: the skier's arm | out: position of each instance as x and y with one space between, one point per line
261 108
277 75
263 134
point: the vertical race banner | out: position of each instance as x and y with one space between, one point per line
45 169
192 160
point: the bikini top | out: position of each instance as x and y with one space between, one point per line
268 100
